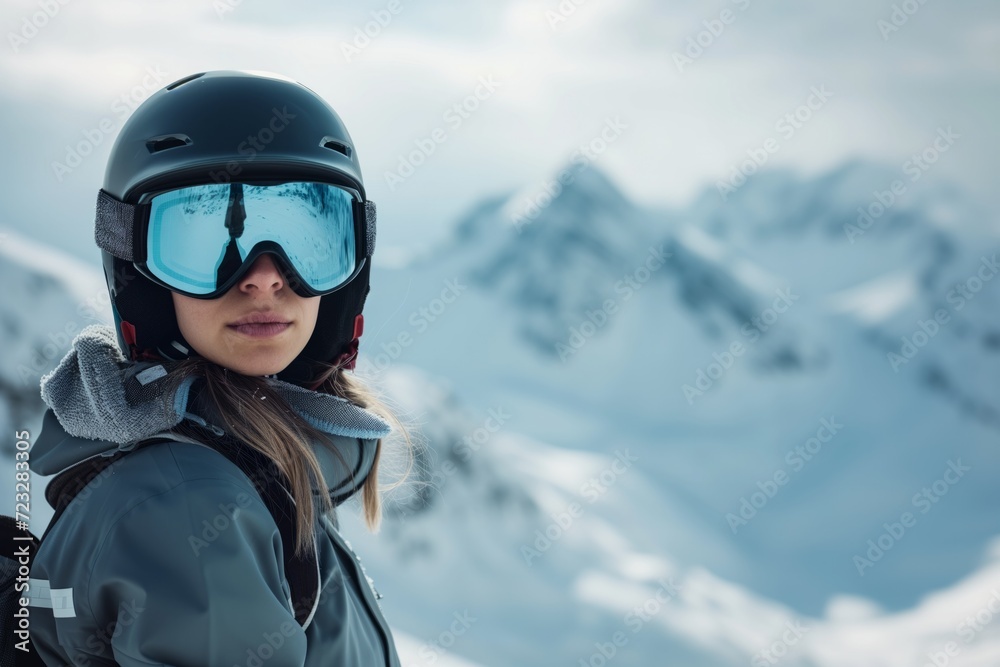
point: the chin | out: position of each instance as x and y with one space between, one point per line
270 370
258 370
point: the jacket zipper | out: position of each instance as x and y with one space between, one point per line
366 590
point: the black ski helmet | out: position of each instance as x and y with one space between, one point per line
218 127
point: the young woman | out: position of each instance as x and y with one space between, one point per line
206 440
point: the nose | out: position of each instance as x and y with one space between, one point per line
263 275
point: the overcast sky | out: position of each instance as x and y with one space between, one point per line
561 73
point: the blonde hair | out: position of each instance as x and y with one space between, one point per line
273 428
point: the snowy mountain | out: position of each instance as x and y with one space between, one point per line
49 298
811 313
674 436
543 583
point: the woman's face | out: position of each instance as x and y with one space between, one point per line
215 327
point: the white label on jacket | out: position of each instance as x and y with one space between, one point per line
38 593
150 374
59 600
62 602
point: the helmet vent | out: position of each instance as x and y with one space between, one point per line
335 145
180 82
157 144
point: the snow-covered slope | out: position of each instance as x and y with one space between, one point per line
679 426
889 268
48 298
535 555
720 365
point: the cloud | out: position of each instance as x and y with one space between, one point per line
562 80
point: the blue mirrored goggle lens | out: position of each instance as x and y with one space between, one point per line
198 237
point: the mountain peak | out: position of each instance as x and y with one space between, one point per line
590 180
576 183
578 199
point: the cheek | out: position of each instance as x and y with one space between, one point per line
312 313
191 315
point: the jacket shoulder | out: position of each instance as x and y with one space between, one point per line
151 471
157 467
197 546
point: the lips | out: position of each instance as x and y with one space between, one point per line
260 325
260 318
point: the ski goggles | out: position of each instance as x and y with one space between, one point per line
200 240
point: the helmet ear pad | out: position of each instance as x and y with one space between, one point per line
137 299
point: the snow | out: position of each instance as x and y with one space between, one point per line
874 301
414 651
566 499
49 298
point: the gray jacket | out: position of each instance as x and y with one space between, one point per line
170 556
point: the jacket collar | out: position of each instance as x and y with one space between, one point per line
100 403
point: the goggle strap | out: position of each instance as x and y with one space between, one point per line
370 227
113 226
